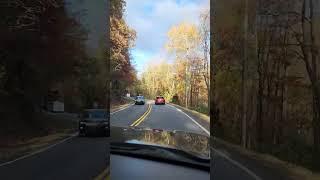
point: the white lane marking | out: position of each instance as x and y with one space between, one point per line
204 129
121 109
44 149
252 174
39 151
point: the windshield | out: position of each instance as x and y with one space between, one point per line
192 143
175 113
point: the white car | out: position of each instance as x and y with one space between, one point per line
139 100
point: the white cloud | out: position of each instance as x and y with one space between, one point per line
153 19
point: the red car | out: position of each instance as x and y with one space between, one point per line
159 100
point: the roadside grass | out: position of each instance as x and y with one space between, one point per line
201 109
202 116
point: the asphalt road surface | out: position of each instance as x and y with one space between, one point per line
74 158
224 165
86 157
165 117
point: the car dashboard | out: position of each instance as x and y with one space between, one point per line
126 167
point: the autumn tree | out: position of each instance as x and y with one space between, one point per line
157 79
204 29
121 40
186 79
266 65
183 42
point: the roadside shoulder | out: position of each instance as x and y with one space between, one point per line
23 149
202 119
57 127
267 166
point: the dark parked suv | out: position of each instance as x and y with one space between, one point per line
94 121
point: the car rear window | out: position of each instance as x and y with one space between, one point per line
140 97
95 114
159 97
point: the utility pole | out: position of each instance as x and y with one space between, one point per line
186 80
186 85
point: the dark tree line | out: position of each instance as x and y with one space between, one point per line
42 50
266 77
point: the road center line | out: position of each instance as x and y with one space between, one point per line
121 109
103 174
140 119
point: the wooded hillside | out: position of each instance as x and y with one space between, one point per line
266 77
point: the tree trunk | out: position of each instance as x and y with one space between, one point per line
311 67
260 55
316 101
244 77
315 122
191 92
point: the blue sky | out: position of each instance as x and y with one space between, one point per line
152 19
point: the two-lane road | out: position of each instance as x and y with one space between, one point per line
87 157
165 117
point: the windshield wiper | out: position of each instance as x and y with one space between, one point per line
158 153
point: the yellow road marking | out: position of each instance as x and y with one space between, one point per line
138 121
141 120
103 175
143 115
